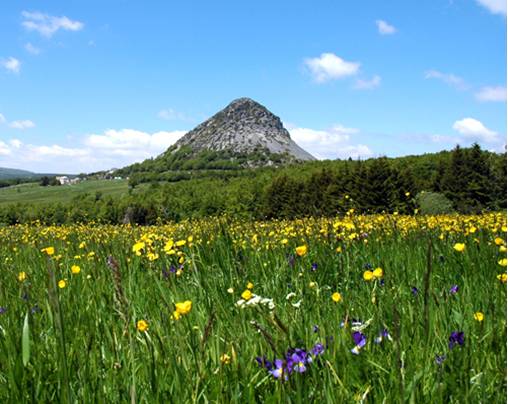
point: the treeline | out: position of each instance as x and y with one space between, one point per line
465 180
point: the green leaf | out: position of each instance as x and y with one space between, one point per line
25 341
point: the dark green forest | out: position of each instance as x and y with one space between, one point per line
464 180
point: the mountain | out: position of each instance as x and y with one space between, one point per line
11 173
244 134
244 126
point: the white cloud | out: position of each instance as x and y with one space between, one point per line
491 94
2 118
11 64
494 6
4 149
113 148
368 84
329 144
450 79
47 25
25 124
169 114
329 66
384 28
474 130
16 143
32 49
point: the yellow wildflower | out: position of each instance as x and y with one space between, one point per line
301 250
336 297
502 278
62 284
459 247
247 294
75 269
378 273
250 286
184 307
478 316
142 325
22 276
225 359
502 262
48 250
368 275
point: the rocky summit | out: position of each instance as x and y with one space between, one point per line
244 126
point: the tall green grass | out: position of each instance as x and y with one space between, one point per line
80 343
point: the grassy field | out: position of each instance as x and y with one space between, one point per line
384 308
34 193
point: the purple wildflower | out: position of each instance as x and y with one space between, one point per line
360 341
3 310
382 335
172 269
454 289
414 290
264 363
297 359
456 338
315 328
314 266
278 370
318 349
440 359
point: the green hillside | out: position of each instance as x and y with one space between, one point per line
10 173
35 193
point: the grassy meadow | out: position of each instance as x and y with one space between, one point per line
35 193
380 308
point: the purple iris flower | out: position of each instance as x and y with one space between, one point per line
440 359
414 290
456 338
313 267
454 289
318 349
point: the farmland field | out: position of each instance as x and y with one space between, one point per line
358 308
35 193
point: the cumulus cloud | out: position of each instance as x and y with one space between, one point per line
491 94
472 129
329 144
368 84
25 124
32 49
329 66
450 79
11 64
47 25
494 6
384 28
113 148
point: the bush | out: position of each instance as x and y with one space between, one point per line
433 203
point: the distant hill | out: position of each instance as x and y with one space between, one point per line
10 173
243 134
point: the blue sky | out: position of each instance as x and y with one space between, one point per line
99 84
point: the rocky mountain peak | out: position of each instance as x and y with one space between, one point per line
243 126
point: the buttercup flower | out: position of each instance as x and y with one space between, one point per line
22 276
62 284
502 278
48 250
246 295
336 297
301 250
142 325
478 316
75 269
184 307
459 247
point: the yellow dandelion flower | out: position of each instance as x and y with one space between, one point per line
502 278
498 241
502 262
22 276
250 286
75 269
48 250
62 284
378 273
368 275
